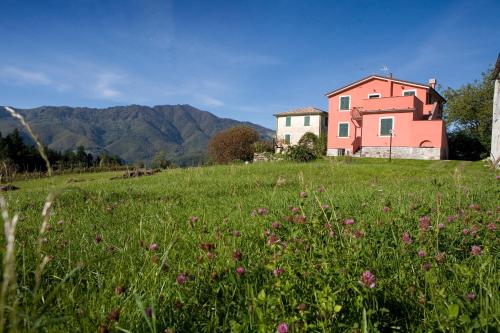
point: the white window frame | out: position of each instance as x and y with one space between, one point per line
348 130
340 99
405 90
379 95
380 126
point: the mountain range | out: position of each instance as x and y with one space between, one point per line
134 132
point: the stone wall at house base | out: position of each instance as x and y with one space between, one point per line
418 153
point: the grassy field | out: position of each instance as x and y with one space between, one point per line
327 246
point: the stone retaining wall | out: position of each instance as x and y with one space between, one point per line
404 152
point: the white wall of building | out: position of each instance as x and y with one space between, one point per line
495 129
297 129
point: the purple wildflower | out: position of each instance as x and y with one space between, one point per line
328 226
148 312
275 225
278 271
441 226
426 266
475 250
466 232
282 328
424 223
262 211
386 209
421 253
210 255
272 239
98 238
181 278
491 226
153 247
303 194
406 238
295 210
349 222
451 218
498 177
299 219
368 279
240 270
193 219
325 206
321 189
471 296
237 255
236 233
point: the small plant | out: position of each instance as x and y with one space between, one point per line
263 147
300 153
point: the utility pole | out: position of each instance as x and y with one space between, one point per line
390 146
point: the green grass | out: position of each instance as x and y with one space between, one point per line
322 266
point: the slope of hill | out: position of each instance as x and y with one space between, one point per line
133 132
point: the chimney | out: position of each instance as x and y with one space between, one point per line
432 83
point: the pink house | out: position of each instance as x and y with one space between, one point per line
378 114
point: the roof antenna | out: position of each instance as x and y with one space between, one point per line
385 70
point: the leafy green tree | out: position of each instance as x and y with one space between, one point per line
468 112
160 160
235 143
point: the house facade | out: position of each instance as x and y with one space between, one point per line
495 128
377 116
293 124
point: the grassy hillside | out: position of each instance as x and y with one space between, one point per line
320 247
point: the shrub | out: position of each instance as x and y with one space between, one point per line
316 144
300 153
235 143
263 147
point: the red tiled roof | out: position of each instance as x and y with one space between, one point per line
309 110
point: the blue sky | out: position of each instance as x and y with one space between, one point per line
238 59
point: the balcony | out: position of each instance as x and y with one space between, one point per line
388 104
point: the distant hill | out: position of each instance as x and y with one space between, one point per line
135 132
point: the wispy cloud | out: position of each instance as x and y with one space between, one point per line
21 76
106 85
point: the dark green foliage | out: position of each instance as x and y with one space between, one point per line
468 112
263 146
160 161
314 143
132 132
300 153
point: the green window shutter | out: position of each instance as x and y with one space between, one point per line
385 126
343 130
409 93
288 121
344 102
307 120
287 138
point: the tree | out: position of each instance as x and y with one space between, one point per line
316 144
235 143
160 160
468 112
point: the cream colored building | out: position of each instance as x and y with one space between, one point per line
293 124
495 128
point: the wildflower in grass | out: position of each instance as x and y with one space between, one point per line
421 253
295 210
178 304
465 231
406 238
262 211
349 222
240 270
441 226
98 238
282 328
321 189
237 255
154 259
386 209
272 239
474 230
210 256
451 218
267 232
181 278
301 307
119 290
328 226
278 271
164 267
275 225
368 279
303 194
491 226
332 234
424 223
207 247
236 233
114 315
471 296
193 219
426 266
299 219
153 247
148 312
325 206
498 177
359 234
475 250
475 207
440 258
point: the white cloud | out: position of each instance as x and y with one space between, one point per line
209 101
105 85
21 76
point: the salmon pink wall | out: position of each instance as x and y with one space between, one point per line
430 130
